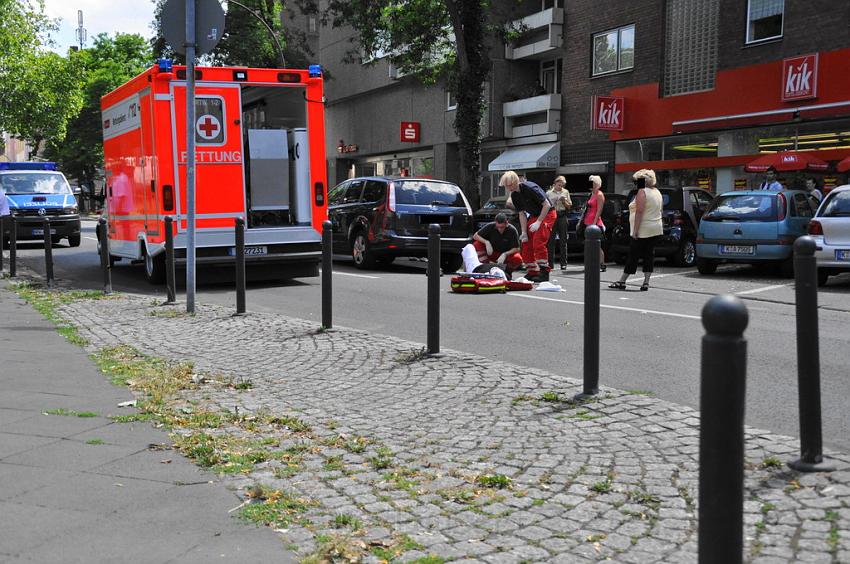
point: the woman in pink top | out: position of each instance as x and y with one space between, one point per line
593 213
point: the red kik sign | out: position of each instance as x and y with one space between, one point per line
410 131
800 78
607 113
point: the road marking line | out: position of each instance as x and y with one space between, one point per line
765 289
354 275
91 238
603 306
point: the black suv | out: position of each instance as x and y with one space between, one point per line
683 209
380 218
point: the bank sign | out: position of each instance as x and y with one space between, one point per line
800 78
607 113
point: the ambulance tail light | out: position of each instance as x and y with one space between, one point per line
167 197
319 191
391 201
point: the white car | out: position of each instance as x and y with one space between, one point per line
830 228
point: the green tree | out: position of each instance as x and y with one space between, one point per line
39 90
253 30
109 63
433 40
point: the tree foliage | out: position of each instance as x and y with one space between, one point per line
433 40
250 30
39 90
109 63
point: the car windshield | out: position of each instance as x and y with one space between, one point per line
34 183
743 207
422 192
838 205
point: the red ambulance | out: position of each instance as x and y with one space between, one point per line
260 155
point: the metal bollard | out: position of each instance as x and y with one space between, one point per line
48 252
721 444
2 241
13 247
170 275
808 358
105 264
433 288
592 245
240 265
327 274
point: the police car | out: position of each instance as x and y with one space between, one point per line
36 191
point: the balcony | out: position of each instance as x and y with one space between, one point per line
537 115
541 37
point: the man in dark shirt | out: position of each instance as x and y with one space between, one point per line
498 242
528 197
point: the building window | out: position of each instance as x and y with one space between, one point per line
764 19
552 4
451 101
690 46
550 76
312 24
614 50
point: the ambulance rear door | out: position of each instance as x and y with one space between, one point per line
219 175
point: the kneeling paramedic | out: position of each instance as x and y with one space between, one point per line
530 198
498 242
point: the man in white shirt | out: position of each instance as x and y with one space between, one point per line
770 182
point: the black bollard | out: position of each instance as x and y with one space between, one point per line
327 274
721 444
592 245
48 251
808 358
2 241
170 276
240 265
105 263
433 288
13 247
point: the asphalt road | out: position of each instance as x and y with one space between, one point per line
650 340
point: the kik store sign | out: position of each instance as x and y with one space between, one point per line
607 113
800 78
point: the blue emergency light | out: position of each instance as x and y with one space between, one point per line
164 65
28 166
315 71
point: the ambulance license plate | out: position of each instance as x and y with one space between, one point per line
41 232
249 251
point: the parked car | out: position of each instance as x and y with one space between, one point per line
754 227
495 205
830 229
613 208
380 218
682 211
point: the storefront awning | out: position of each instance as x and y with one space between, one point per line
544 155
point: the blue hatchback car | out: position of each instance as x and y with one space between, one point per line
754 227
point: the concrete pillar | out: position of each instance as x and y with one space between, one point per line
731 143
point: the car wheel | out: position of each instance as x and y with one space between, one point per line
74 240
823 276
451 263
706 266
360 253
155 268
687 254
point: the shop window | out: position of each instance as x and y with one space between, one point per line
765 19
550 76
690 46
614 50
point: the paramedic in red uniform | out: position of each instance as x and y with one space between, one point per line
498 242
529 197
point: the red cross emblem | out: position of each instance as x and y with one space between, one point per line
208 126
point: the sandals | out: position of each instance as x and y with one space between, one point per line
644 287
617 285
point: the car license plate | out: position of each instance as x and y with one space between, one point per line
737 249
249 251
842 254
41 232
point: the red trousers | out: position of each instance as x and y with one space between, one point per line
535 251
512 262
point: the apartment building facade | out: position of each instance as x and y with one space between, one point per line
692 88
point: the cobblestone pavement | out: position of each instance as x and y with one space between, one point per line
466 459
